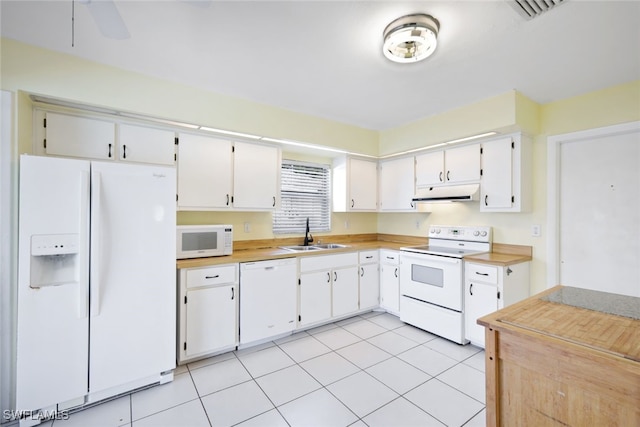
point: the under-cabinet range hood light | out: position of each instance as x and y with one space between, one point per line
447 193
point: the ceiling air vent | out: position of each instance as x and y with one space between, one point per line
529 9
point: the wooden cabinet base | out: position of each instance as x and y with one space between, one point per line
534 379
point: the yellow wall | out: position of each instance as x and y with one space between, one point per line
30 69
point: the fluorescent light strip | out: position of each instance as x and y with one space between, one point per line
230 132
303 144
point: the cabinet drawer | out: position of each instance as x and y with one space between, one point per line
368 257
481 273
389 257
211 275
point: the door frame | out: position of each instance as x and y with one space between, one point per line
554 144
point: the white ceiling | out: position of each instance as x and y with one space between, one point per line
324 58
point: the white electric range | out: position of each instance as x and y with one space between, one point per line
432 281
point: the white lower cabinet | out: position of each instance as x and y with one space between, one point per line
369 280
267 299
390 281
328 287
207 311
489 288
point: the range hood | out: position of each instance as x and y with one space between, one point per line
447 193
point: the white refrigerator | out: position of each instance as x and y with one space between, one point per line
96 280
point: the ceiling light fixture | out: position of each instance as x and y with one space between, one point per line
411 38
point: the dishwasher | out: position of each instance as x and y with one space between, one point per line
268 299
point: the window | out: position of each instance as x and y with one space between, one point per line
305 193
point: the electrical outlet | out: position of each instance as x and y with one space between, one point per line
417 225
346 224
247 227
536 230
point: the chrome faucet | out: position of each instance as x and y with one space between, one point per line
308 238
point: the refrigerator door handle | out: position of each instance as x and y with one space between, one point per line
94 280
83 282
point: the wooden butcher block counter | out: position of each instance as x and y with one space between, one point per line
564 357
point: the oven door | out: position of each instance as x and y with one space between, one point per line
432 278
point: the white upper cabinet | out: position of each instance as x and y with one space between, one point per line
397 185
452 166
256 176
505 185
204 173
355 185
216 174
146 145
75 136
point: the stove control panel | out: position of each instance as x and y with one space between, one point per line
469 234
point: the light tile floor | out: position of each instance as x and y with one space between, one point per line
368 370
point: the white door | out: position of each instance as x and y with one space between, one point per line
497 169
133 279
462 164
480 300
430 278
256 169
369 286
53 334
599 213
146 145
315 297
363 185
80 137
390 287
345 293
430 169
211 319
397 185
204 172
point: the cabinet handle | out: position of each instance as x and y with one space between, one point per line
227 200
390 257
498 294
353 203
369 257
233 293
412 206
212 277
124 151
485 200
509 271
361 272
274 201
328 277
395 273
448 179
109 150
335 276
481 274
440 176
471 289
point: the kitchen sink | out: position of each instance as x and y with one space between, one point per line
330 246
302 248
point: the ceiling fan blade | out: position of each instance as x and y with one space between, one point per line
107 18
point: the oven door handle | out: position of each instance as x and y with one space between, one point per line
431 259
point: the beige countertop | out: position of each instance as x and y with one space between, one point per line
252 251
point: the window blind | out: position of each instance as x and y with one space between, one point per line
305 193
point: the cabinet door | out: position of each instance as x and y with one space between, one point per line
146 145
480 299
315 297
430 169
211 319
369 286
74 136
345 293
390 287
204 173
496 188
462 164
363 185
397 185
256 176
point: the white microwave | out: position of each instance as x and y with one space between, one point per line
199 241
